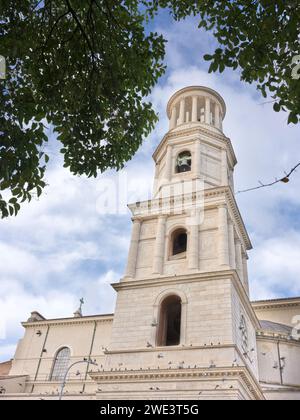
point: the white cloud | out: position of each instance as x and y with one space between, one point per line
276 266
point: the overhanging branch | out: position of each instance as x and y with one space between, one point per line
284 180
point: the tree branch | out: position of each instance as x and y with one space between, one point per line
285 180
80 27
55 23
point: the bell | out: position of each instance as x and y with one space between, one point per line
184 168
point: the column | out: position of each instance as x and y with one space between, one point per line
245 272
168 168
231 246
202 115
224 166
223 237
133 250
197 159
207 110
239 261
195 109
155 183
193 251
181 111
217 116
173 118
159 250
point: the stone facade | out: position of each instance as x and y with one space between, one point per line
184 326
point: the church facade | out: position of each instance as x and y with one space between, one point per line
184 326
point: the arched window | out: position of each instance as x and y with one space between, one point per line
179 242
184 162
169 322
60 364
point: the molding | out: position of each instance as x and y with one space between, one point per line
158 349
68 321
276 303
291 388
263 335
238 373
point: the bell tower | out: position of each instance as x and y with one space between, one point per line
183 323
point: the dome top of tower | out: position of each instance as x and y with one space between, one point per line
196 104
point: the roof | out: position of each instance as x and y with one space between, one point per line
275 327
5 367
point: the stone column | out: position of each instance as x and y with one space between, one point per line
197 159
133 250
155 183
223 237
159 250
231 246
207 110
181 111
221 121
195 109
239 261
202 115
168 167
224 166
173 118
193 246
245 272
217 116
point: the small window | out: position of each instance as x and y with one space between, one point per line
184 162
179 242
61 364
169 322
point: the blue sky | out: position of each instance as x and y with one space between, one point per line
61 247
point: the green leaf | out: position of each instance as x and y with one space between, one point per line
276 107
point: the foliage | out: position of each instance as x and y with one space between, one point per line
85 67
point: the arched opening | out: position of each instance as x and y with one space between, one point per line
60 364
184 162
169 322
179 242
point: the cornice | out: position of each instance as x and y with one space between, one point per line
280 389
68 321
277 303
238 373
239 219
276 336
181 348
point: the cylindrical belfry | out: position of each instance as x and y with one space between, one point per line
196 105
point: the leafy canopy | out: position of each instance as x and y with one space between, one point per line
85 67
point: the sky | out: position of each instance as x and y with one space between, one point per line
73 241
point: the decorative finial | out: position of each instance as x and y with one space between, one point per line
78 313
